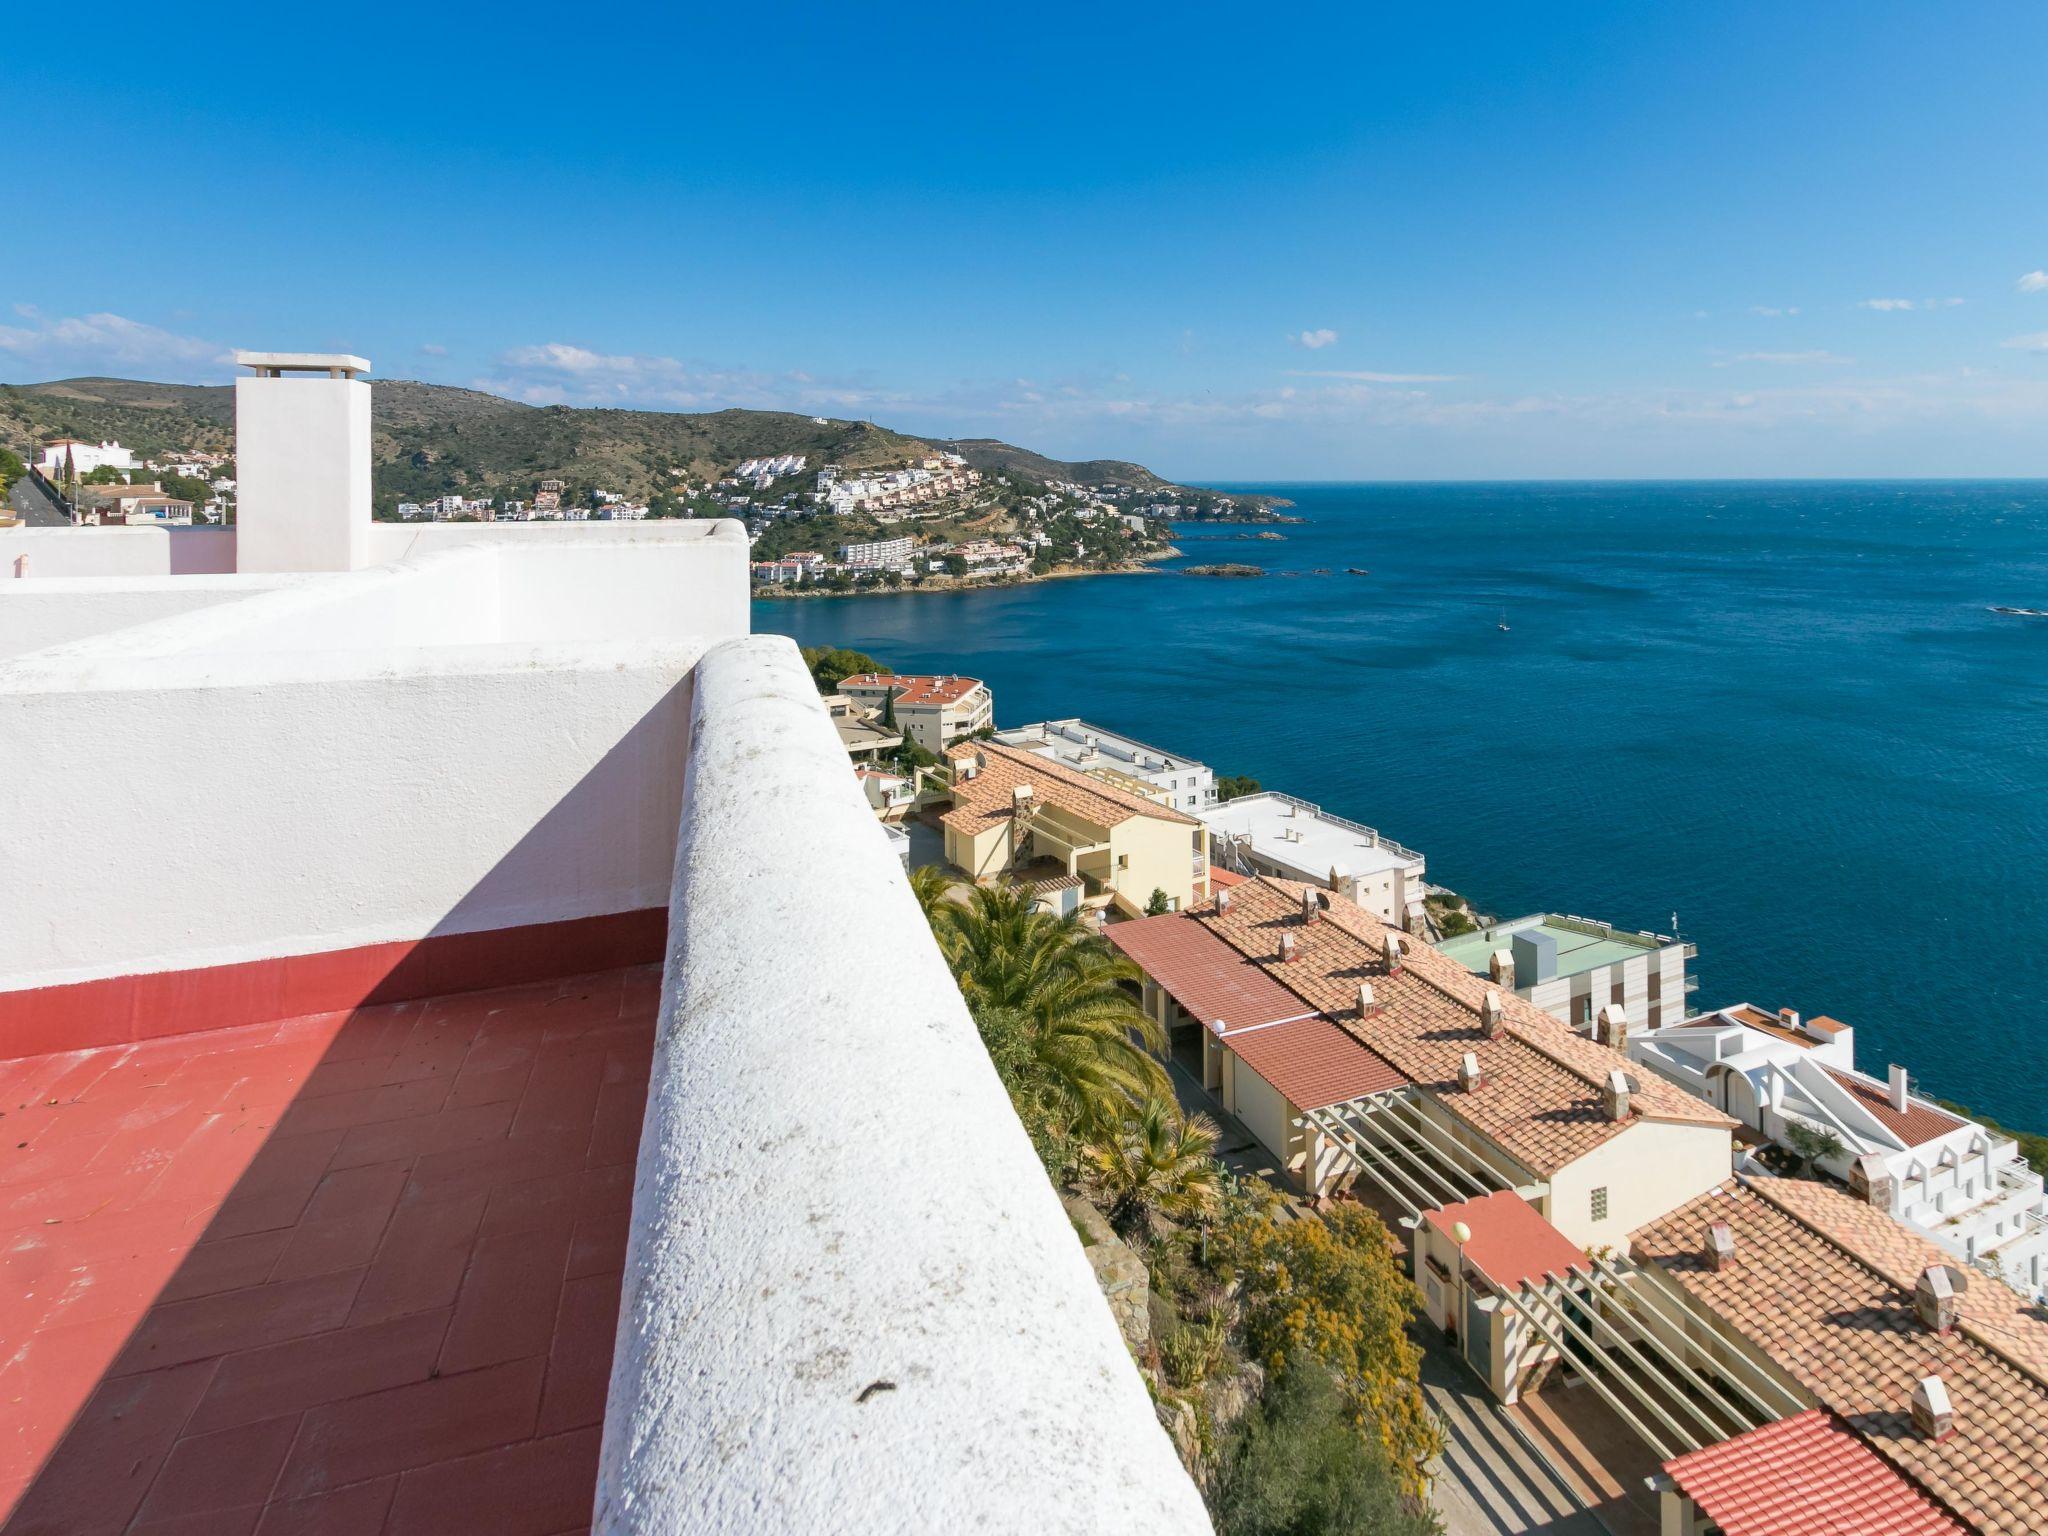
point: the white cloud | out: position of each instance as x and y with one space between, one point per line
1789 358
561 373
1359 377
2036 341
106 340
1890 305
1315 341
1774 311
433 349
2033 282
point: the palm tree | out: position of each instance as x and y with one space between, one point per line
929 883
1049 997
1155 1163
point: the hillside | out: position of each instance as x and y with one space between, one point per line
436 439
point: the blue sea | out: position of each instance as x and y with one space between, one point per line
1779 711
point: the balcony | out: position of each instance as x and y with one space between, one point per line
529 1097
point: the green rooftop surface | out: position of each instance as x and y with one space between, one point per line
1576 951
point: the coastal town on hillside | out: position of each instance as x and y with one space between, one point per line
574 993
934 522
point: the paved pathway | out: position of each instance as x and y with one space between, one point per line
1490 1483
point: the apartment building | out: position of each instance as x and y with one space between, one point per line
1572 967
933 710
1020 816
1276 834
1794 1080
1180 781
878 554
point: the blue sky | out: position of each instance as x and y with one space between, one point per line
1342 242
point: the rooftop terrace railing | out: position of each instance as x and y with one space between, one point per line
852 1301
1312 809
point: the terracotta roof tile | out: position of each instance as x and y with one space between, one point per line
989 796
914 690
1314 1063
1806 1476
1203 974
1822 1284
1915 1125
1541 1099
1511 1242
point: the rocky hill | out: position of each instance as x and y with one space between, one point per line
435 439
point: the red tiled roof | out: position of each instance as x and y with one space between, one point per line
989 796
1223 879
1805 1476
1510 1242
1915 1125
1313 1063
1202 973
915 689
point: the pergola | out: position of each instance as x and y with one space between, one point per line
1607 1318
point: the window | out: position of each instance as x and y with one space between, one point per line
1600 1203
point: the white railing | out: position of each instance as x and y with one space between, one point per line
1310 808
852 1301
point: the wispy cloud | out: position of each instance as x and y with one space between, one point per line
106 340
2034 341
1774 311
562 373
1831 359
1359 376
1891 305
1315 341
2033 282
433 349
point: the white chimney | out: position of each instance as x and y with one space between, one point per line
1895 1087
1286 948
1368 1005
1789 1017
1614 1096
1492 1016
1395 944
1935 1300
302 463
1309 905
1720 1246
1500 965
1933 1415
1469 1079
1222 900
1613 1027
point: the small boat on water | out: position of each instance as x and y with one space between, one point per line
1502 626
2021 613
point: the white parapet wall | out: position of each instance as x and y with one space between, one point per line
852 1301
312 763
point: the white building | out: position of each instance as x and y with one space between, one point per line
1944 1176
85 457
1186 785
878 553
931 710
1572 967
1276 834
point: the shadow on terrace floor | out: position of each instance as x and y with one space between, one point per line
352 1272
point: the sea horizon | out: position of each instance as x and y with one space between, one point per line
1718 699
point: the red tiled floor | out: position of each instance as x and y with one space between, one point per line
348 1273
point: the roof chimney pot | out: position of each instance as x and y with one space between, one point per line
1933 1415
1469 1079
1493 1016
1870 1180
1720 1246
1500 965
1615 1095
1395 944
1935 1299
1339 878
1789 1017
1613 1027
1895 1087
1222 900
1286 948
1367 1004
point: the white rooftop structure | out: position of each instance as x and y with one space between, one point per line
1276 834
1188 785
347 763
1795 1080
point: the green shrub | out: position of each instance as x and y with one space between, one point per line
1298 1467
